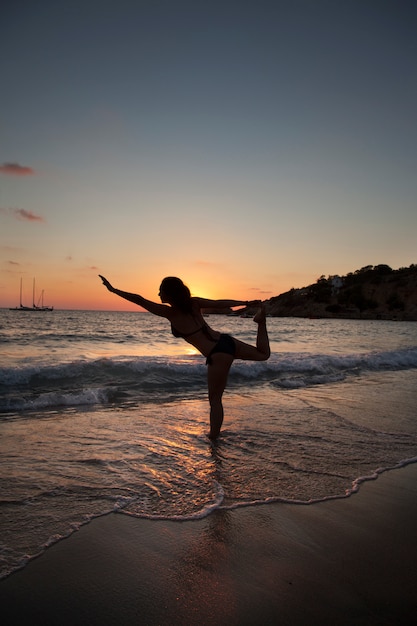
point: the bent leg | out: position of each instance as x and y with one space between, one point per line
217 373
262 352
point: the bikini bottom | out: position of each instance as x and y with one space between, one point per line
226 345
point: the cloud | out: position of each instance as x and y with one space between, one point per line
23 215
264 292
13 263
14 169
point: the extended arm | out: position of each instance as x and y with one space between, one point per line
153 307
223 304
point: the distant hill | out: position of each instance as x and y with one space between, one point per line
373 292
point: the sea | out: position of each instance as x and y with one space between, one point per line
106 412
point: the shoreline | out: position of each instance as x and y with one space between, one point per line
345 561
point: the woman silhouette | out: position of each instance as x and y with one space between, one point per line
220 350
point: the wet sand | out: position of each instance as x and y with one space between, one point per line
348 561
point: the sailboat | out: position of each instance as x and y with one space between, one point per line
42 307
34 307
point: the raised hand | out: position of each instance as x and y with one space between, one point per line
106 283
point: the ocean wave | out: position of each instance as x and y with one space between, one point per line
117 380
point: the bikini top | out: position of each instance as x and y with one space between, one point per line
204 328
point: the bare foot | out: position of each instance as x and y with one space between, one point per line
260 316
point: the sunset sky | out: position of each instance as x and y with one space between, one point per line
245 146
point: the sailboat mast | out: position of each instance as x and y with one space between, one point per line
34 307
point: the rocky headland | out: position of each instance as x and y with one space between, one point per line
373 292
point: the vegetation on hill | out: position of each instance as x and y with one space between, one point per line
372 292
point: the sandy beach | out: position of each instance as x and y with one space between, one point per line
348 561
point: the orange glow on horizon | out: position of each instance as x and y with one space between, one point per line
83 290
90 294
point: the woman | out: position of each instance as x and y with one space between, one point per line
220 350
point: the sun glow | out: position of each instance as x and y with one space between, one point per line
191 351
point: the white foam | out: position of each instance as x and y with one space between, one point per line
95 382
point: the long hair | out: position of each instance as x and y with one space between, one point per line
177 293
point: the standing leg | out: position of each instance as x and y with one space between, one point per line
217 373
